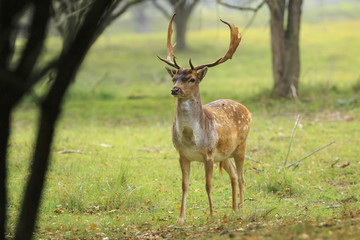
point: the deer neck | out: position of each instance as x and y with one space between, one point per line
189 113
192 127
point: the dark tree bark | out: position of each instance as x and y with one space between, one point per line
8 9
183 10
285 46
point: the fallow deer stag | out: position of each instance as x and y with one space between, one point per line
211 133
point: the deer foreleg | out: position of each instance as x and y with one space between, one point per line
209 165
185 169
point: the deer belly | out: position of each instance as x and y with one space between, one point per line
193 154
221 156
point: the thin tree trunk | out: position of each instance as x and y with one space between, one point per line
285 47
292 53
277 9
181 21
183 10
40 164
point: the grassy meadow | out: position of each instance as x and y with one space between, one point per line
115 174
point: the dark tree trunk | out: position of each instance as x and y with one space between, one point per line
39 167
181 22
8 11
69 63
183 10
285 46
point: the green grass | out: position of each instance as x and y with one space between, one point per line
124 181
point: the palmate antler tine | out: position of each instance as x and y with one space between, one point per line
170 48
235 39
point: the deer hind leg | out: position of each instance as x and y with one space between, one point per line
231 170
239 158
209 165
185 169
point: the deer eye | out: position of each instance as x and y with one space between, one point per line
192 80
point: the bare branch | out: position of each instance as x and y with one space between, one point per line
36 39
123 9
255 10
301 159
161 9
254 160
192 6
241 7
71 14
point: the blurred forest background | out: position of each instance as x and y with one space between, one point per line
114 172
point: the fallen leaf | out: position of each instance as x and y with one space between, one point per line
59 211
304 236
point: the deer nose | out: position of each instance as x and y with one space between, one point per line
175 91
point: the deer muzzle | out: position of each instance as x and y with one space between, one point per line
176 91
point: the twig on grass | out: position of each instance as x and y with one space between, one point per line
334 163
269 211
344 165
291 139
253 160
66 151
312 153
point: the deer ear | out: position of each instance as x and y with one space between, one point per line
201 74
172 72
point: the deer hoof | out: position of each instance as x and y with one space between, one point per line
181 221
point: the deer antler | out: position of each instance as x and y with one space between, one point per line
170 52
234 43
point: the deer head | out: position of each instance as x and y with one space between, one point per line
186 80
